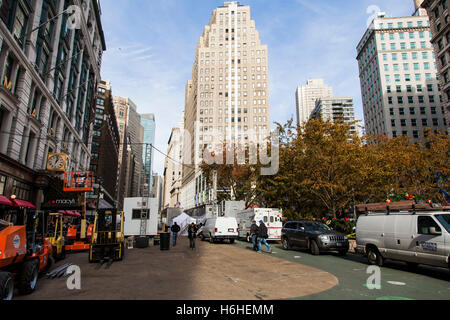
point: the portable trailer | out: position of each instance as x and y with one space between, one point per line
140 211
24 250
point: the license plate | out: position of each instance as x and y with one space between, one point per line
230 230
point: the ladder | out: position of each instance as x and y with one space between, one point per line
144 218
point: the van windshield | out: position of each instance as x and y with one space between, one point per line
444 219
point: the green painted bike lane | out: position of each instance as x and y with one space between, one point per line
397 281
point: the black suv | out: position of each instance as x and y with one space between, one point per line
314 236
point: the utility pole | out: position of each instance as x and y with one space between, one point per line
214 196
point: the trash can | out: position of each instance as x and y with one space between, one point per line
165 241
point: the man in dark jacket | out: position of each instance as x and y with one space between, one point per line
263 235
175 229
254 230
192 234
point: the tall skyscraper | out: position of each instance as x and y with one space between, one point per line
105 147
148 122
307 95
173 168
399 81
227 98
440 29
132 135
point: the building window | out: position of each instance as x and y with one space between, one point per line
20 24
2 184
21 190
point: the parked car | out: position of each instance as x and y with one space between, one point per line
412 237
220 229
314 236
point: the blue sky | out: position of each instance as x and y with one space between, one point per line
151 46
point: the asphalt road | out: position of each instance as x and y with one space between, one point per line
397 281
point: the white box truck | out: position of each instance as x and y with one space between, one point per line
133 208
412 236
272 219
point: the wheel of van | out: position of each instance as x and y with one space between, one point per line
28 277
286 244
374 257
314 248
231 241
342 253
6 286
202 237
412 265
211 240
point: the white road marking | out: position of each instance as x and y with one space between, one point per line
396 283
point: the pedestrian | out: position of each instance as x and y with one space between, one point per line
175 229
192 234
254 230
263 235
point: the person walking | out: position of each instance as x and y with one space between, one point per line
175 229
192 234
263 235
254 230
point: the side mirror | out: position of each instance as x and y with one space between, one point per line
434 232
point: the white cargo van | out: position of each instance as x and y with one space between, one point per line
413 237
219 229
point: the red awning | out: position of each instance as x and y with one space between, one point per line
73 214
23 203
5 201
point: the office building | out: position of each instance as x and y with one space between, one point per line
227 99
336 109
306 97
400 86
440 30
48 82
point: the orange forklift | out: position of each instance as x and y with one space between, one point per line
79 233
24 250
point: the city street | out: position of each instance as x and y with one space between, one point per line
235 272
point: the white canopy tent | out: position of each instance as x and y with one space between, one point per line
183 220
